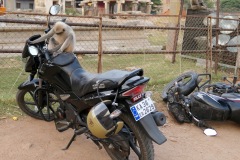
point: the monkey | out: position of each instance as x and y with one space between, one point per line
61 39
197 4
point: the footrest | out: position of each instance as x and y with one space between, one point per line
62 125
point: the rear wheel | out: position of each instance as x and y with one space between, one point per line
132 136
27 105
183 79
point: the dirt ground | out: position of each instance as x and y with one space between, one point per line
28 138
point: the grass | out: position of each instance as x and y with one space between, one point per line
156 67
158 38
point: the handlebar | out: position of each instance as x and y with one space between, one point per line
234 81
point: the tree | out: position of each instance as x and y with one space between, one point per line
230 5
156 2
208 3
156 6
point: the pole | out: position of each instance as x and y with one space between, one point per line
217 32
100 51
173 22
177 31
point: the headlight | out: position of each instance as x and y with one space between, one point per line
33 50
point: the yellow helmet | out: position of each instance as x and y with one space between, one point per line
100 124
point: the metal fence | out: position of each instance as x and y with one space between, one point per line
164 46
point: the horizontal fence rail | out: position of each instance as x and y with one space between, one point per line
127 42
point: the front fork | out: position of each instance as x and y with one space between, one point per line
39 98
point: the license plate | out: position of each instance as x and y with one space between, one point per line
143 108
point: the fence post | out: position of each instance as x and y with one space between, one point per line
209 43
177 32
217 32
100 46
173 22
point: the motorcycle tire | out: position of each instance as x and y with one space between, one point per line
26 103
141 141
183 77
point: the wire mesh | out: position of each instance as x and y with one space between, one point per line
126 42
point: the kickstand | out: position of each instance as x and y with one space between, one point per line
76 132
70 142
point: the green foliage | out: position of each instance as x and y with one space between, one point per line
157 2
72 11
233 5
159 69
208 3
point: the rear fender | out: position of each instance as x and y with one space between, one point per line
148 124
30 85
152 130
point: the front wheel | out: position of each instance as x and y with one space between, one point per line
27 105
136 138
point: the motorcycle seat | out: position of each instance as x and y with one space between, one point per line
231 95
84 82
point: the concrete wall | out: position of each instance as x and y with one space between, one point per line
87 40
11 4
40 5
24 4
113 40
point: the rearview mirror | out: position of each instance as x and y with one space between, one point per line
54 10
210 132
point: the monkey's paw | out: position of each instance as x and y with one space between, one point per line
29 42
56 53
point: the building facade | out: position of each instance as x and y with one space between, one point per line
44 5
96 7
14 5
88 7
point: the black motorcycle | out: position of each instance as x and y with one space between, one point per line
110 108
217 88
187 103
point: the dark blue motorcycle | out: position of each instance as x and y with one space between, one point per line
188 101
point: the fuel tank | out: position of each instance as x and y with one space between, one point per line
233 101
206 107
60 69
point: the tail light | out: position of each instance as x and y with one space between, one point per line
135 93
